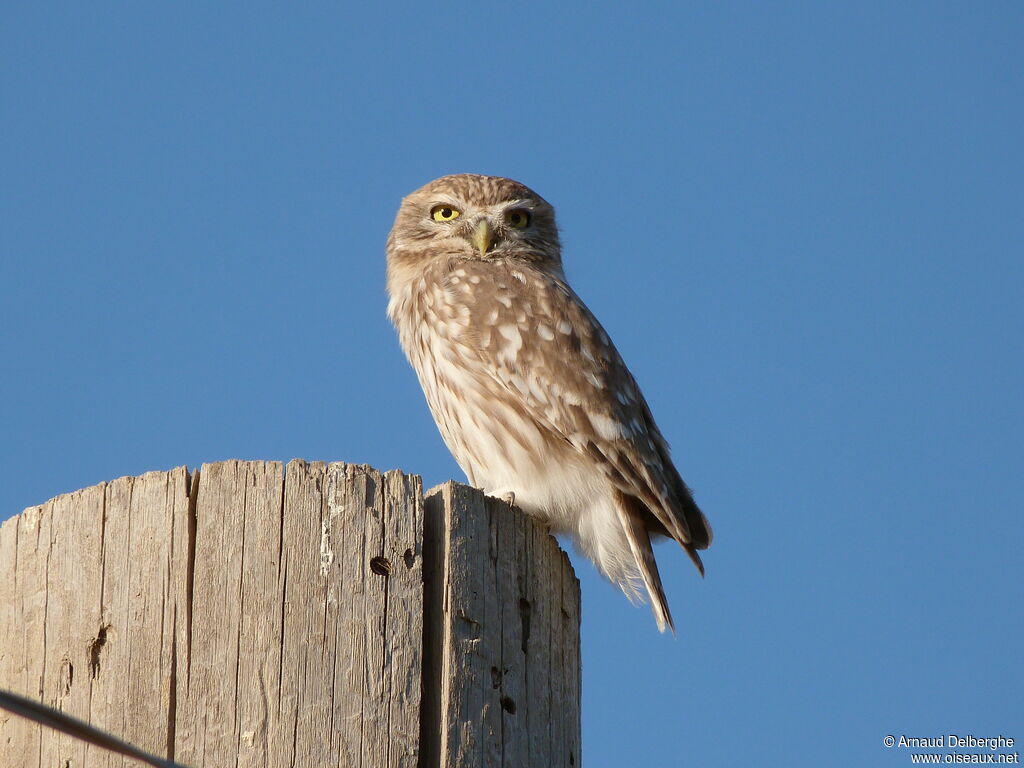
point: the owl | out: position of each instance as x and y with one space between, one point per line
529 393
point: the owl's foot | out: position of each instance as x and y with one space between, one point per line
509 497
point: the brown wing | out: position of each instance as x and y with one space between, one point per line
538 339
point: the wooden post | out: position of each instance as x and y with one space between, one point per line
329 615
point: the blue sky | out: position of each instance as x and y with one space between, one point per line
800 222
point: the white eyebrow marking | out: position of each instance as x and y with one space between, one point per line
443 198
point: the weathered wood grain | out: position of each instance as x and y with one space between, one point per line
251 614
503 633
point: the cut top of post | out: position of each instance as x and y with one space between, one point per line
324 614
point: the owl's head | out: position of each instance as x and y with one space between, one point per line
475 217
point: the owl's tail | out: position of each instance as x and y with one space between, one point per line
632 513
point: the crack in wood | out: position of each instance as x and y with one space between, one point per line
443 631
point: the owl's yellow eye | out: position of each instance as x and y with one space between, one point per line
444 213
519 218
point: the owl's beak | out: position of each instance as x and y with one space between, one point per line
483 236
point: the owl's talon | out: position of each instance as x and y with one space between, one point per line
509 498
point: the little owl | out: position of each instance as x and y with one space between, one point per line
527 389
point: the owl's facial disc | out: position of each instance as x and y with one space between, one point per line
484 229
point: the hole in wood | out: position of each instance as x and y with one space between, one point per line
95 647
381 566
409 558
524 615
67 676
508 705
